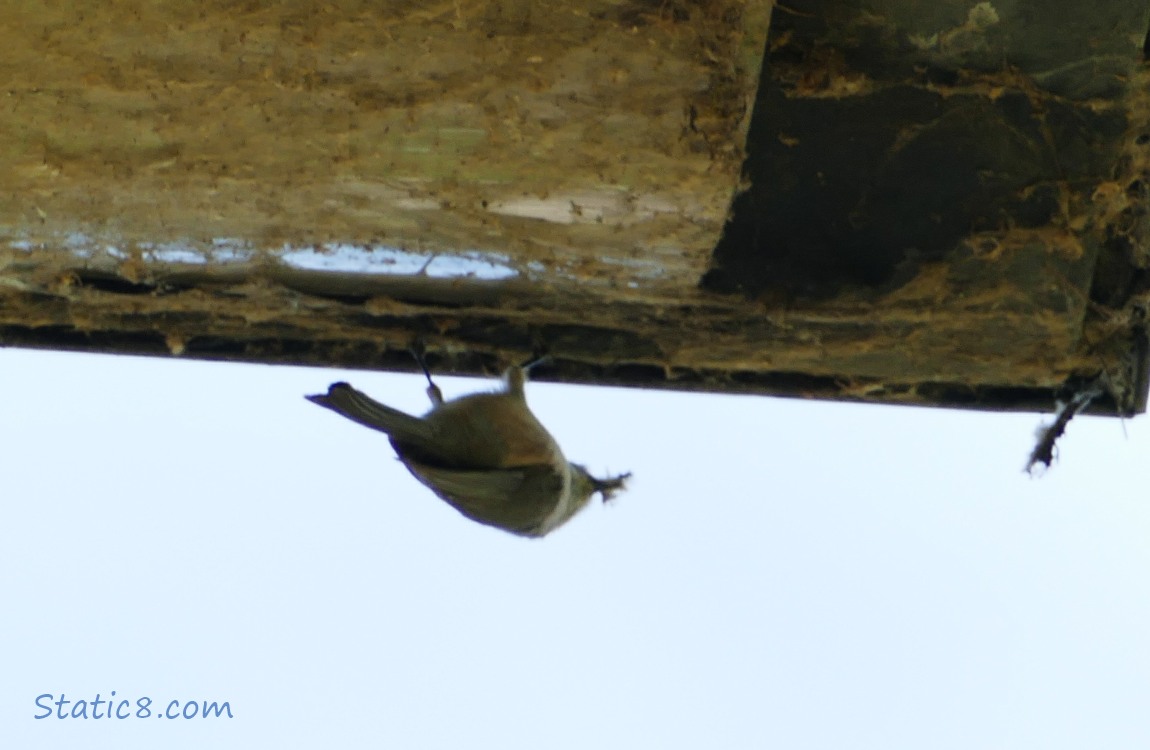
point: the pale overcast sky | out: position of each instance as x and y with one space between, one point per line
781 574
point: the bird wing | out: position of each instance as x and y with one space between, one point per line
518 499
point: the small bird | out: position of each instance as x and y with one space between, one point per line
485 454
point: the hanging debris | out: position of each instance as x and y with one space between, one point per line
1048 435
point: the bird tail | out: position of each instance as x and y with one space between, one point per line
359 407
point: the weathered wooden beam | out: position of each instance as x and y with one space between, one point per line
947 205
559 135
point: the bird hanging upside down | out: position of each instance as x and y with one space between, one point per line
486 454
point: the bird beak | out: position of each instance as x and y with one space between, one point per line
608 487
